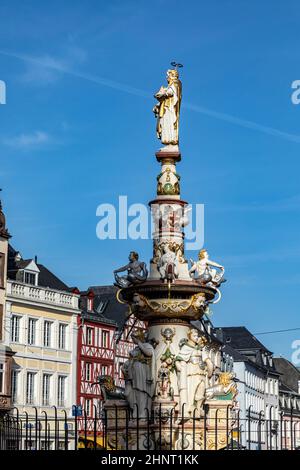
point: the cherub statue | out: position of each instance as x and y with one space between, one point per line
168 108
203 272
136 272
167 265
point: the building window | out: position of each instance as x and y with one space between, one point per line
2 264
31 330
15 329
47 333
1 321
105 336
61 390
88 407
62 336
88 371
89 336
14 385
104 370
46 389
30 388
1 377
90 304
29 278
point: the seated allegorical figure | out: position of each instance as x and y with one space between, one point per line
136 272
207 271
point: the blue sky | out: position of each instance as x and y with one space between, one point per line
78 130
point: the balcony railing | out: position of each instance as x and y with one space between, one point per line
42 294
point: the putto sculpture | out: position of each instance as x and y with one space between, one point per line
167 264
136 271
204 270
168 108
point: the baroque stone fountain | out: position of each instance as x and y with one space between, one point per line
175 389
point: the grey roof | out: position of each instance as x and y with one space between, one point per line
106 303
46 278
237 357
290 374
241 338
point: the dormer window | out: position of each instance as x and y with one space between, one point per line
270 361
30 278
90 304
28 272
90 301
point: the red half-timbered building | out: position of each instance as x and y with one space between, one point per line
96 355
104 343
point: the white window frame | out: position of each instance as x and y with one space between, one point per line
88 371
88 407
46 392
61 392
29 273
105 333
30 394
47 333
31 331
15 328
62 340
14 385
89 335
2 374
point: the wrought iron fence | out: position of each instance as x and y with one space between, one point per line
158 431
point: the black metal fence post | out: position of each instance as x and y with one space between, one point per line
249 427
55 428
291 426
205 424
85 429
66 430
270 426
95 427
46 430
216 429
194 428
75 431
182 426
171 429
26 430
261 413
36 427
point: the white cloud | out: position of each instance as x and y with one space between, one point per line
42 70
31 141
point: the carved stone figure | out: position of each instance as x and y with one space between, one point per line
136 272
109 389
193 373
167 265
158 250
168 108
225 386
139 374
207 271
